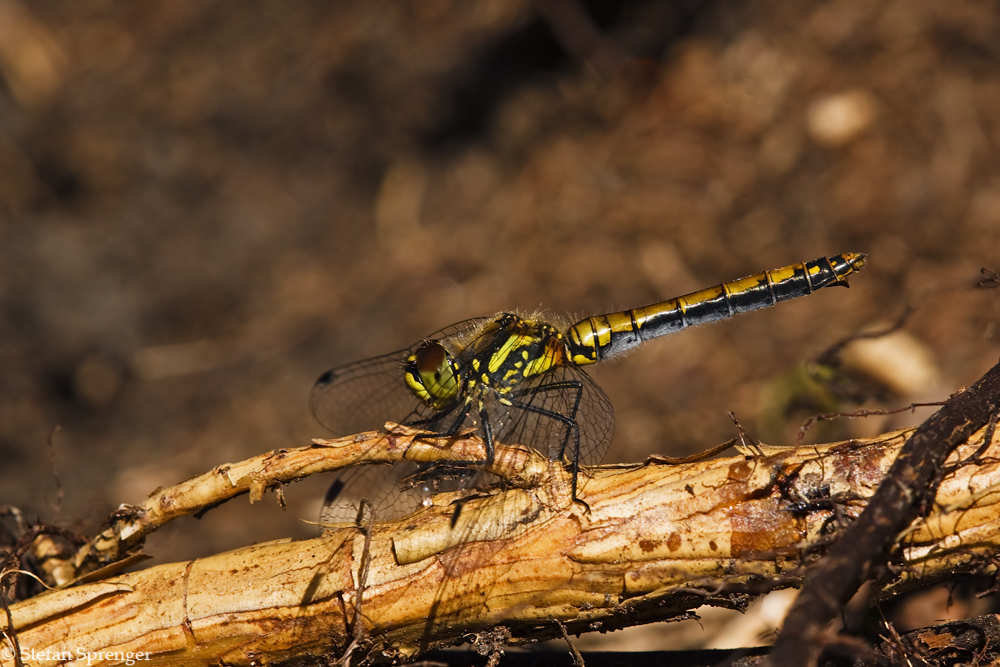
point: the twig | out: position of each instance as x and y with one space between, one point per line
129 525
366 561
906 493
856 414
55 468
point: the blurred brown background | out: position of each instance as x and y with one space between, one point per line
205 205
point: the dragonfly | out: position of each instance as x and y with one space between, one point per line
515 379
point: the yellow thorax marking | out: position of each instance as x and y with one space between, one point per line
513 342
551 356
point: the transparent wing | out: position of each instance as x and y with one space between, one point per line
561 413
382 485
363 395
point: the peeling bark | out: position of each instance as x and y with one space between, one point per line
908 493
643 543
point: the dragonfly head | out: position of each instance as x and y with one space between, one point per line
432 374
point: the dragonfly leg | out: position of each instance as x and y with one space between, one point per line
487 435
438 416
456 425
572 426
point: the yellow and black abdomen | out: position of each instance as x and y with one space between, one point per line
602 336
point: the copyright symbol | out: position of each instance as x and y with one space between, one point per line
7 653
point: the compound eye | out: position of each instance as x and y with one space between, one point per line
431 359
438 376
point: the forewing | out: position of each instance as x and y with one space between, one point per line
363 395
357 397
545 409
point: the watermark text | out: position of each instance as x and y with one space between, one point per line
79 656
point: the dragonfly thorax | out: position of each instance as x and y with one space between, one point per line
503 353
513 349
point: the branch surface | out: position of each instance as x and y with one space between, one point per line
907 492
645 542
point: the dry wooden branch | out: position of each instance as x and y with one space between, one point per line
907 493
131 524
643 543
